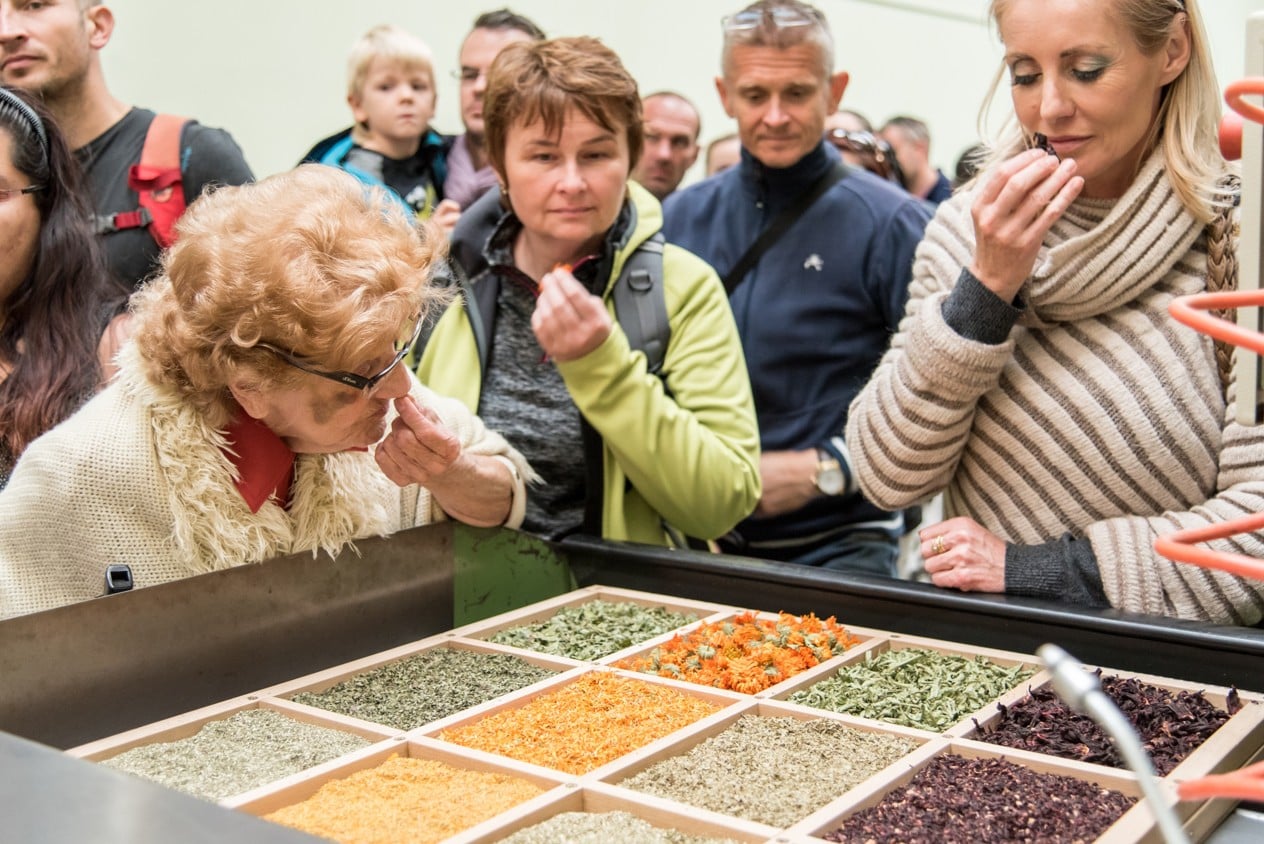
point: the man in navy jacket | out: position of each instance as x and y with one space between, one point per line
817 309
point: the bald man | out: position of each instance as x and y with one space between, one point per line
672 125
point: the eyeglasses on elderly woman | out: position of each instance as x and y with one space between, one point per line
358 382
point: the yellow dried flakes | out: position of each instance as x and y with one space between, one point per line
585 724
404 801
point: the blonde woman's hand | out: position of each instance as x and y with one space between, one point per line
1017 205
568 321
961 554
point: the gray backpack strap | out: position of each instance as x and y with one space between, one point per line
640 304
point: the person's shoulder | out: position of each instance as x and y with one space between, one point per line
680 262
880 198
126 135
210 154
698 192
322 147
691 205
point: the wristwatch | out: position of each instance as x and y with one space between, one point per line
828 477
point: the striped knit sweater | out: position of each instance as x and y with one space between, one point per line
1099 416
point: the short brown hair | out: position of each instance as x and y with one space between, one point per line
309 260
759 25
540 80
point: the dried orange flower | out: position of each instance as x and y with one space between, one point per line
747 653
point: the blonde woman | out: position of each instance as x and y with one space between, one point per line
1037 379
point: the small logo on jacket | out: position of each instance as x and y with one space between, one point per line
814 262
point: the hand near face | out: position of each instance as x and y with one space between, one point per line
445 215
568 321
418 449
961 554
1012 214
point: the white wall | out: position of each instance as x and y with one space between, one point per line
272 71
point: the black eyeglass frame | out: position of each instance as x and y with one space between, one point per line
349 379
7 193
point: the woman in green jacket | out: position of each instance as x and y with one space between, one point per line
534 346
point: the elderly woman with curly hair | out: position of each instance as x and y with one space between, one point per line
261 409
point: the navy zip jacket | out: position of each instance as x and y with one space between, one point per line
815 313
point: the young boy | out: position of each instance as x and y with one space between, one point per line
391 91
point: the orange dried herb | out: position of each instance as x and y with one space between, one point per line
585 724
405 801
747 653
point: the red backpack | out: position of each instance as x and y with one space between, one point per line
156 180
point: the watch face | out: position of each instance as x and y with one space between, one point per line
829 479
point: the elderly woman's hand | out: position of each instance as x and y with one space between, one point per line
418 449
1013 212
961 554
568 321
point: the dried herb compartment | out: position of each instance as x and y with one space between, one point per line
1133 825
571 728
597 797
1227 748
597 597
175 735
719 748
913 682
285 795
455 687
746 651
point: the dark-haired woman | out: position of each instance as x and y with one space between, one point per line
61 317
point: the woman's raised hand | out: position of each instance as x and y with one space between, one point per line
1012 213
568 321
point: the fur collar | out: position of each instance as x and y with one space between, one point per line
336 498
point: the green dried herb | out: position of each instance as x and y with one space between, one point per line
603 828
913 687
426 687
251 748
774 771
593 630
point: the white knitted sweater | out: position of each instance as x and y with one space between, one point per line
137 477
1100 415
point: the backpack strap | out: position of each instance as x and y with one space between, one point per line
640 303
777 227
157 181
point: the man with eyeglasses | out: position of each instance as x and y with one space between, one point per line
261 409
470 173
462 159
817 258
53 49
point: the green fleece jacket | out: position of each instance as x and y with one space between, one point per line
681 448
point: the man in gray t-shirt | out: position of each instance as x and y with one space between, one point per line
53 49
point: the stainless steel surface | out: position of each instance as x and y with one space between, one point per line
1245 826
96 668
47 797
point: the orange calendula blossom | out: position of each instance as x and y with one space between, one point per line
747 653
